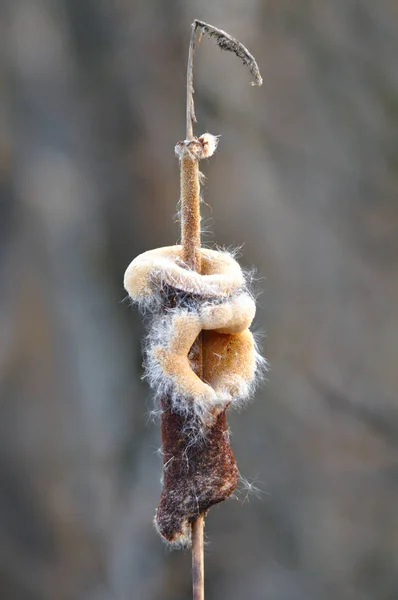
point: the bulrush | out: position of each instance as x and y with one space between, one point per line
200 355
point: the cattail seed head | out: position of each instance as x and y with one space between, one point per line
201 470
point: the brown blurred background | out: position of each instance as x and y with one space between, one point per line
306 180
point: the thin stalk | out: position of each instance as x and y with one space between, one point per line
191 118
197 559
190 212
191 243
190 227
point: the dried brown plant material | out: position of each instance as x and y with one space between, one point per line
197 148
183 303
199 466
200 355
231 44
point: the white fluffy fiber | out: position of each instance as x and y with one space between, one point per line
218 300
153 270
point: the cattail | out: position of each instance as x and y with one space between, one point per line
200 355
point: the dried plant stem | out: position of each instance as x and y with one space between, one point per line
190 239
191 242
225 42
190 230
197 559
191 118
190 212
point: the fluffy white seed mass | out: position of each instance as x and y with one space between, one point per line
202 147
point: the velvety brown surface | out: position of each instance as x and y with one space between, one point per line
195 477
197 472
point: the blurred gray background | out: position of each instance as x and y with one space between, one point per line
306 180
